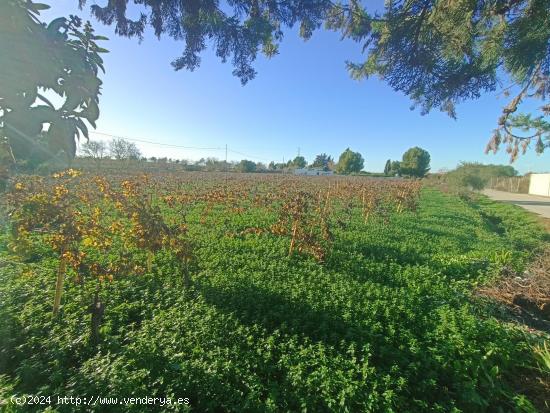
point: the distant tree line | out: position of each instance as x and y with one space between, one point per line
415 161
117 148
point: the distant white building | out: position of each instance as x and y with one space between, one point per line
312 172
539 184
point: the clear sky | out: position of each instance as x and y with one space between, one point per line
302 98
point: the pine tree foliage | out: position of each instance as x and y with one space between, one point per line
237 30
350 162
443 52
437 52
387 167
323 161
416 162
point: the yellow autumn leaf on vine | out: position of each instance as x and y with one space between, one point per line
73 173
87 241
60 191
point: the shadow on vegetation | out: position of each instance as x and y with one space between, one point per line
538 203
385 253
253 305
517 315
440 217
463 239
493 223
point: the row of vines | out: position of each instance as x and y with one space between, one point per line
100 229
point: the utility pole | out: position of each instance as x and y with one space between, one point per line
298 151
226 166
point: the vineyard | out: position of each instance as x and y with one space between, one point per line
263 293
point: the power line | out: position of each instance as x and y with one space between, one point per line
249 156
178 146
154 143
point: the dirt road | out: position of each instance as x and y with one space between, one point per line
534 203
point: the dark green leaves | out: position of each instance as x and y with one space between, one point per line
350 162
238 31
83 128
61 57
416 162
43 114
388 324
37 7
92 112
440 53
56 24
61 137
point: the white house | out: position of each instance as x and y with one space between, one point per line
312 172
539 184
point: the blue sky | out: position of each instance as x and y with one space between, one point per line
302 98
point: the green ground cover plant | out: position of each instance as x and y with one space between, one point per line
382 321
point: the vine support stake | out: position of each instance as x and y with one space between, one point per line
363 203
149 261
59 284
293 241
186 277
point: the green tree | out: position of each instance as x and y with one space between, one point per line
467 176
387 167
246 166
466 179
62 58
395 168
323 161
416 162
299 162
350 162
